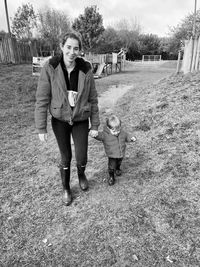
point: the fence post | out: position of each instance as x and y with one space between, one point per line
197 54
187 57
178 62
194 54
11 50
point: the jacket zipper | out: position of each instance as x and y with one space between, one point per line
120 151
70 121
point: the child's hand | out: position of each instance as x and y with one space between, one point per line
93 133
133 139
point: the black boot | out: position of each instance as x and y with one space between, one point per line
111 178
65 176
118 171
83 182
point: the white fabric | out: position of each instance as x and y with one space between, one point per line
72 97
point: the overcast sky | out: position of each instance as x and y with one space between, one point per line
154 16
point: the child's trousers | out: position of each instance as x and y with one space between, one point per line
114 163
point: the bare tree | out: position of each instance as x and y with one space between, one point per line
51 24
24 21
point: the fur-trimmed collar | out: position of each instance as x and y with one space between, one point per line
81 64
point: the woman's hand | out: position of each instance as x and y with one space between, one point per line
133 139
43 137
93 133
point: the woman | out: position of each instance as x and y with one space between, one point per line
66 86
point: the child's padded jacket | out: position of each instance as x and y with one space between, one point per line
114 146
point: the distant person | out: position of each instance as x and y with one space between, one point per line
66 86
114 139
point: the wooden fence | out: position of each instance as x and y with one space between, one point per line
191 56
12 51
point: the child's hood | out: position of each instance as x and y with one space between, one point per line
106 129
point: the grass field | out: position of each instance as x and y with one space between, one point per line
150 217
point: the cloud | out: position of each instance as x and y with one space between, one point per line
154 16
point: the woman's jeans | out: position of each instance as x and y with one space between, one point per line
79 132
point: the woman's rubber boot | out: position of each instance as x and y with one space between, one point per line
83 182
65 176
111 178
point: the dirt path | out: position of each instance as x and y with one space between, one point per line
109 98
135 75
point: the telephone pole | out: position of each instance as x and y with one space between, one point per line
194 20
7 17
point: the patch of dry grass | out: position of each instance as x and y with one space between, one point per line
150 217
165 119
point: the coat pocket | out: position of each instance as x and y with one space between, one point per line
56 109
86 111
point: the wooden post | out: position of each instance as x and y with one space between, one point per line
178 62
184 55
187 56
194 55
197 54
11 50
193 38
190 54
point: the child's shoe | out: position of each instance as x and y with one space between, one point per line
111 178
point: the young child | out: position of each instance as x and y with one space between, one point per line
114 139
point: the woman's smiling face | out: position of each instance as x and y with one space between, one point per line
70 50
